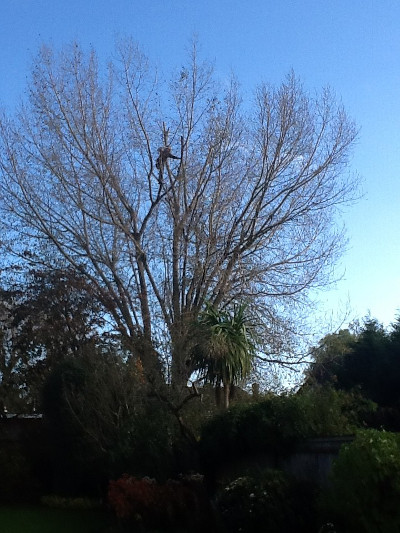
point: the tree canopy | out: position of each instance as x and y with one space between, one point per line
165 196
44 320
366 361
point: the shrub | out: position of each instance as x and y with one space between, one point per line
271 502
274 426
331 412
102 422
271 426
365 486
147 503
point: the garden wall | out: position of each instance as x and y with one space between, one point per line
312 461
14 428
23 458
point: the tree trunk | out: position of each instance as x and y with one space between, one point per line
142 348
227 393
180 364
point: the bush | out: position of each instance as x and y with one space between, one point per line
365 489
331 412
102 422
144 502
273 426
271 502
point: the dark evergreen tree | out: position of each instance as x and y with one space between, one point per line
367 364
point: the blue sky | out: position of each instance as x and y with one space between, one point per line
351 45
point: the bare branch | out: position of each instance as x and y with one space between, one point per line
242 206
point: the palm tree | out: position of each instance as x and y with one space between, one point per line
225 353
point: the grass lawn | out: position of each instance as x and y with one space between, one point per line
36 519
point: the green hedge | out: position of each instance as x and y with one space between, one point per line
365 486
274 425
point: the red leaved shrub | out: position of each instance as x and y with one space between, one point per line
175 503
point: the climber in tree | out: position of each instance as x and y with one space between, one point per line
164 154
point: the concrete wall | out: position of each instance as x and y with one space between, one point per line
312 461
314 458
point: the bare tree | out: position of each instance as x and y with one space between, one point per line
244 211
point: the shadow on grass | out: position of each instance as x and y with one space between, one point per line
37 519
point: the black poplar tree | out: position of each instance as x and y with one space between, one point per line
245 212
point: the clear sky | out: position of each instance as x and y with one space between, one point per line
351 45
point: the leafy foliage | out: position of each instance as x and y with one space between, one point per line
226 351
365 484
366 364
46 317
274 425
145 502
103 421
331 412
271 502
328 357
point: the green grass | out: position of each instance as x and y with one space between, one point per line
36 519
